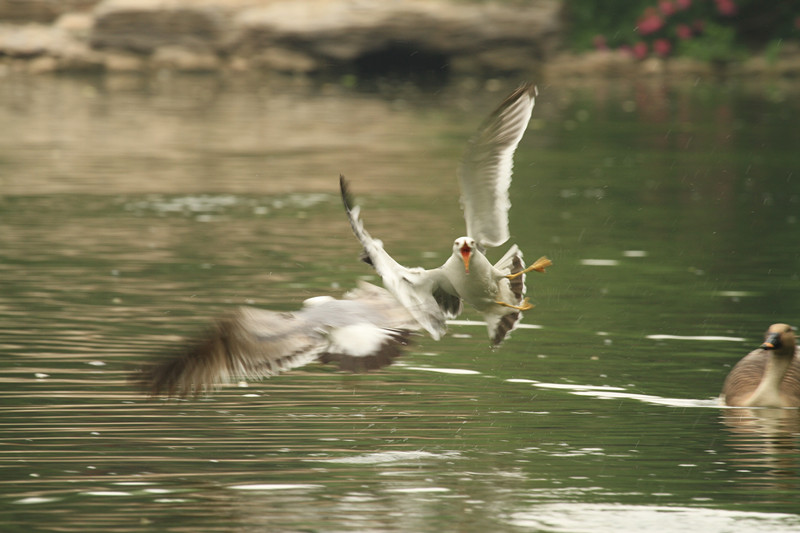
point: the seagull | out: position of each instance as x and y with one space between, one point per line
497 291
364 330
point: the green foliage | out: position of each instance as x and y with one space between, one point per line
716 44
773 50
616 21
711 30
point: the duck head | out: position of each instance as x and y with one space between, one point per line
781 339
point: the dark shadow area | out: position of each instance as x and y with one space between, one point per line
405 62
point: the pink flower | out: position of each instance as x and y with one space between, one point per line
726 8
666 7
683 4
640 50
650 22
599 42
662 47
683 31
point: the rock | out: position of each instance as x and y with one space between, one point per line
284 60
78 57
183 59
653 66
144 25
30 40
41 10
589 64
123 62
42 65
467 36
76 25
310 35
49 48
686 67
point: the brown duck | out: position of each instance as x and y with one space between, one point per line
768 376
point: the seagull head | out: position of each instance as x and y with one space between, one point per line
463 247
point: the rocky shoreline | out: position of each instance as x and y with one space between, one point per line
435 38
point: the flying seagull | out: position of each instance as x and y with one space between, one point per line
364 330
497 291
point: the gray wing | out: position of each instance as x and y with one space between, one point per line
485 170
420 291
364 331
501 325
248 343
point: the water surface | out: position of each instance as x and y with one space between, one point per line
134 210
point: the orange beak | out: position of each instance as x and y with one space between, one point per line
466 253
772 342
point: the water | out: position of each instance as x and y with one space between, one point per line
134 210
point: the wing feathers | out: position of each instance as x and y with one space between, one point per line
348 350
485 169
413 287
365 330
247 344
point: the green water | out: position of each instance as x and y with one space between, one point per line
134 210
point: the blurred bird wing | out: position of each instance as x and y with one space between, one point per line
365 330
248 343
415 288
486 167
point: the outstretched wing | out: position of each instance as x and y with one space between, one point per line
248 343
365 330
419 291
485 170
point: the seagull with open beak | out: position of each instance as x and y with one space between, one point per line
497 291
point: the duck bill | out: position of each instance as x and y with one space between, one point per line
772 342
466 254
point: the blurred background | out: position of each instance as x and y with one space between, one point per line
164 161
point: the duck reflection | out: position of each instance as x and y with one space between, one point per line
767 444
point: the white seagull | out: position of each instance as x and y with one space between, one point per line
497 291
364 330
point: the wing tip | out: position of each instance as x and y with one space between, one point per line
505 325
347 196
527 87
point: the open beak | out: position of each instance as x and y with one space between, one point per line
772 342
466 253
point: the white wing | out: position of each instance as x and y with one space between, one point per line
422 292
365 330
485 169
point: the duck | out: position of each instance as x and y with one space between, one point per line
769 376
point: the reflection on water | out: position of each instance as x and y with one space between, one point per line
561 517
133 212
767 442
